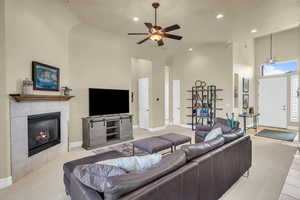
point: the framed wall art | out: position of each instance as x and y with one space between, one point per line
45 77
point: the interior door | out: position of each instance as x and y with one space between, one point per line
273 102
176 102
144 107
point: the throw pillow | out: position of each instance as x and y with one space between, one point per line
213 134
225 129
231 123
134 163
96 176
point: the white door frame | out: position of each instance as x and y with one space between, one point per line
176 103
167 96
144 103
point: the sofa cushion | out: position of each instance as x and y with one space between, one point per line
96 176
69 166
203 128
213 134
134 163
224 127
195 150
121 185
233 136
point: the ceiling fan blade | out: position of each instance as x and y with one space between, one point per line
160 42
149 25
171 28
144 40
138 33
175 37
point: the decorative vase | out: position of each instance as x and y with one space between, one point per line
66 91
27 87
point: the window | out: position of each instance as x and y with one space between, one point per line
279 68
294 98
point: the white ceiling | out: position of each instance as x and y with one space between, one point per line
196 17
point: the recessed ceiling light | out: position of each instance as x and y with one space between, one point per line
220 16
254 31
190 49
135 19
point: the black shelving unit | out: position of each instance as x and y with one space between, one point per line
204 104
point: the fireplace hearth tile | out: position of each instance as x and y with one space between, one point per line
19 125
19 109
21 163
20 152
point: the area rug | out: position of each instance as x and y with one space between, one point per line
125 148
277 135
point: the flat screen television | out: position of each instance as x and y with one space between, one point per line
108 101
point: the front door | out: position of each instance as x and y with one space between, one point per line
273 102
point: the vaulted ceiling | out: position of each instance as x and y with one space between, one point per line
196 17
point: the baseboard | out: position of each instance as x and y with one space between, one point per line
185 126
157 128
5 182
75 144
135 126
293 128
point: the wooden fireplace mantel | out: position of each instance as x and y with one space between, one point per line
39 98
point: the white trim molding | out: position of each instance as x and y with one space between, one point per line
75 144
185 126
135 126
157 128
5 182
293 128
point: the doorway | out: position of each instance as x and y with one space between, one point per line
141 74
167 95
176 103
144 107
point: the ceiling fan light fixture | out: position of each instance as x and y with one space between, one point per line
155 32
156 37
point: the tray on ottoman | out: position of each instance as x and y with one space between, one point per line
176 139
152 145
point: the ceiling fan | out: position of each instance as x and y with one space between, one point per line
157 33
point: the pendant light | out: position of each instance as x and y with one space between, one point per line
271 60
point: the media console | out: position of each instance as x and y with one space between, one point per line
104 130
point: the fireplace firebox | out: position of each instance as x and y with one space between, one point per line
43 132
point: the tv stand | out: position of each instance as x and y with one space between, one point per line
105 130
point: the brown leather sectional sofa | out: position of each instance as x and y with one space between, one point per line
202 171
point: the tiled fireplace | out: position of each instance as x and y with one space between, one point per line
39 132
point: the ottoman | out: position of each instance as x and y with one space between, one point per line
152 145
176 139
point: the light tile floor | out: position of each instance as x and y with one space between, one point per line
291 188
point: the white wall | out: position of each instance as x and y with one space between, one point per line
34 30
140 68
103 60
285 48
243 65
210 63
4 132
